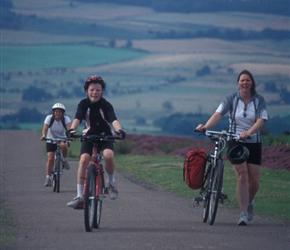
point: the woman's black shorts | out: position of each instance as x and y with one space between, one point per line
255 150
51 147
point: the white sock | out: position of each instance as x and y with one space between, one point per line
111 179
80 189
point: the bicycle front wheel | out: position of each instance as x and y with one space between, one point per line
90 199
206 194
216 190
100 187
56 174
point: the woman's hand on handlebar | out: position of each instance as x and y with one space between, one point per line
200 128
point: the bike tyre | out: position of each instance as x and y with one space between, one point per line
58 162
90 199
207 195
99 202
216 191
53 181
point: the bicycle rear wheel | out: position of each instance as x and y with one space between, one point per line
206 194
90 199
216 190
100 195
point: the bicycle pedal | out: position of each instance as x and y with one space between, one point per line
79 208
223 197
198 199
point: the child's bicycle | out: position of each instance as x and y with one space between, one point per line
211 191
94 187
57 170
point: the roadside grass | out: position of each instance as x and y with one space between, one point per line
7 225
166 173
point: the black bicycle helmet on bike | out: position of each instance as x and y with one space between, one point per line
94 79
238 154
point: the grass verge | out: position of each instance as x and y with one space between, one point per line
7 226
166 173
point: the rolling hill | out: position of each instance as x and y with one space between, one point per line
170 49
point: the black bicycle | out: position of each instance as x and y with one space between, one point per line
211 191
94 187
57 170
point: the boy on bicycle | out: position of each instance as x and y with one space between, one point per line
99 117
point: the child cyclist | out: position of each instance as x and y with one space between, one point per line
99 117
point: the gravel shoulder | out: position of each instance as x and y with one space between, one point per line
140 218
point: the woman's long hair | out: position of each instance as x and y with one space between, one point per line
247 72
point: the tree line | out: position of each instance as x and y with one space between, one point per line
175 124
183 124
224 34
278 7
14 21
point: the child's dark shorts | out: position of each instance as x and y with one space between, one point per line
88 146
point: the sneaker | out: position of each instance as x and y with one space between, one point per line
47 182
77 203
250 211
65 165
243 221
113 192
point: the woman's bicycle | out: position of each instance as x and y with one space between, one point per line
94 186
211 191
57 169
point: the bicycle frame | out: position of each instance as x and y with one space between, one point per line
211 191
94 186
96 161
57 171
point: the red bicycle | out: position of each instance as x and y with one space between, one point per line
94 186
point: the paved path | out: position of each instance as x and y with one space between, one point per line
139 219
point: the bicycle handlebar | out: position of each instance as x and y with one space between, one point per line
102 137
58 140
221 134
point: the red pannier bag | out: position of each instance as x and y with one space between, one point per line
194 167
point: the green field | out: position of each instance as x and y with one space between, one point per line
46 57
140 79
